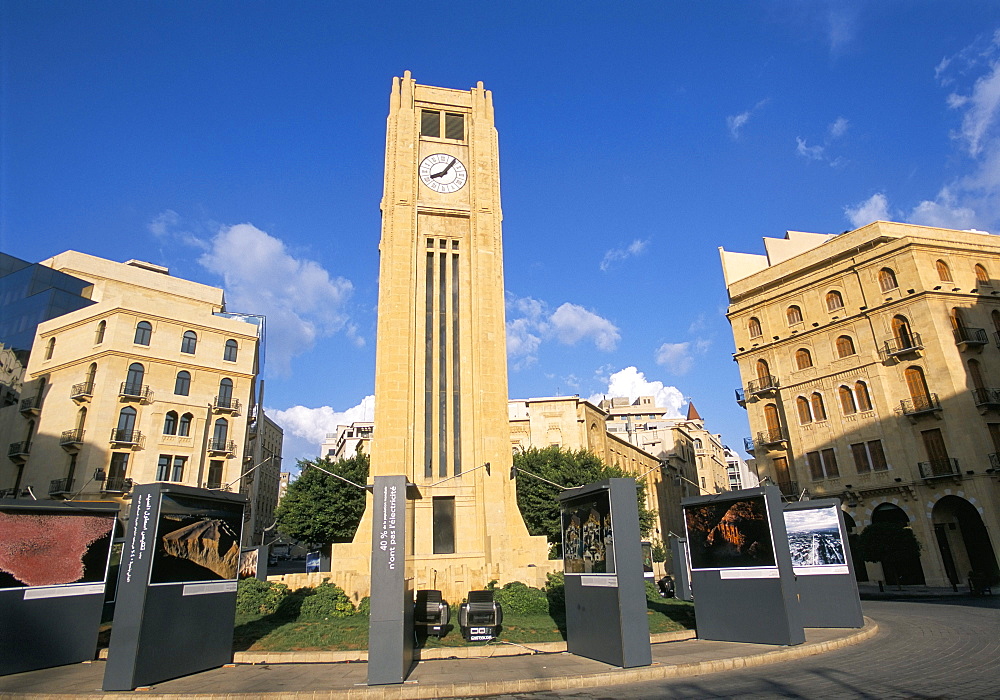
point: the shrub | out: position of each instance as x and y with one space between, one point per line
327 600
520 599
652 591
365 606
255 597
555 591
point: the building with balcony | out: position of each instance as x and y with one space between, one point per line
150 380
348 441
869 375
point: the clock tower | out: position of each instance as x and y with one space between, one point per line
441 361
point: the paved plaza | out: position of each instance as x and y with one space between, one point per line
910 648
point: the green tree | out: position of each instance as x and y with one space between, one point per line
891 544
539 501
321 509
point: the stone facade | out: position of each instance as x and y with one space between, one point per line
441 365
148 383
871 373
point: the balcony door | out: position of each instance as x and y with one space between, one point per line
917 386
937 452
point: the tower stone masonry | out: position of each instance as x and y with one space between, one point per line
441 361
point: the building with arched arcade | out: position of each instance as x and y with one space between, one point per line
870 367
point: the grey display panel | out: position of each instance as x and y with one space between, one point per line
821 560
53 568
741 570
176 585
588 534
606 610
390 625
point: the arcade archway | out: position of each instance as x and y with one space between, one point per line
905 572
962 540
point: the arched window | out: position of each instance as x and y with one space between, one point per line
803 358
982 277
232 349
887 279
133 380
225 398
917 386
184 427
189 342
697 443
834 301
182 384
864 399
794 315
944 272
996 320
81 418
220 434
976 374
847 404
802 406
845 346
126 424
958 319
170 423
763 372
50 347
771 421
143 333
901 332
753 328
99 336
818 409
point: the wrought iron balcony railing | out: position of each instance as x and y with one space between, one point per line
903 345
919 404
986 397
227 403
771 437
971 336
762 385
116 484
82 390
19 449
788 488
228 446
126 437
994 460
938 468
32 404
71 437
134 391
60 486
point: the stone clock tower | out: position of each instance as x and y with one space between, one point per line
441 361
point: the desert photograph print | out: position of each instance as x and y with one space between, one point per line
196 540
729 534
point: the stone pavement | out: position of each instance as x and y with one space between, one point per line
287 677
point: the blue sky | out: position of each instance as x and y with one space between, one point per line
241 145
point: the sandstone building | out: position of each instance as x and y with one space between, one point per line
150 380
870 364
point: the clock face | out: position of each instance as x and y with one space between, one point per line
443 173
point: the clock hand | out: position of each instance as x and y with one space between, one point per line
443 172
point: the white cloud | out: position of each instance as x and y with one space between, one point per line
838 128
736 122
875 208
632 383
313 424
806 151
676 357
569 324
982 108
572 323
300 299
944 212
633 249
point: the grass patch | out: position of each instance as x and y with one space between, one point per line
279 632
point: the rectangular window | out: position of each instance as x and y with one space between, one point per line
444 524
994 429
163 468
430 123
862 465
178 473
214 474
830 464
454 126
878 456
815 465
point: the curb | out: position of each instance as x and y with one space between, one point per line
415 691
